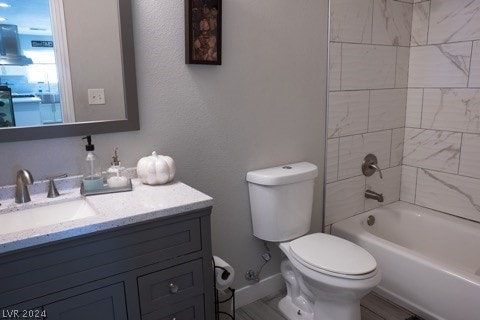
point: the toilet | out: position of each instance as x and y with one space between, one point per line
326 276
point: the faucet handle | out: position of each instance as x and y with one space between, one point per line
377 168
369 166
52 189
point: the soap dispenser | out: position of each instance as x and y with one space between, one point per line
92 177
116 172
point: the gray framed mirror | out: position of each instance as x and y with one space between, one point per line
124 74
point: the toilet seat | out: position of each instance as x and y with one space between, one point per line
333 256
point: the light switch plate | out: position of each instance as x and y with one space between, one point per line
96 96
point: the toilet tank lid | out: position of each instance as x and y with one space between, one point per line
285 174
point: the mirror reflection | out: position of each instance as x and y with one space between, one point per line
58 67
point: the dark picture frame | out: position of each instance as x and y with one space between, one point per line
203 32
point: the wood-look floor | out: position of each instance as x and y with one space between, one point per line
373 308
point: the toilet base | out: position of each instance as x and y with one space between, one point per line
322 310
319 296
290 311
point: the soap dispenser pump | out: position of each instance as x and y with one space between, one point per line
92 177
115 173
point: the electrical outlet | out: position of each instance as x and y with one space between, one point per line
96 96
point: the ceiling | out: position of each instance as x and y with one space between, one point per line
31 16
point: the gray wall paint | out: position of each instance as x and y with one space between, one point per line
264 106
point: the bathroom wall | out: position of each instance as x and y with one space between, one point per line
441 166
264 106
369 55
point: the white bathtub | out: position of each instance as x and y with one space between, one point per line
430 261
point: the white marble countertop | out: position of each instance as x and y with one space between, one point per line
114 210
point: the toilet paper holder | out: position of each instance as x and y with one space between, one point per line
223 297
225 273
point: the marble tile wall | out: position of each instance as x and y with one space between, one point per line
441 167
369 62
405 85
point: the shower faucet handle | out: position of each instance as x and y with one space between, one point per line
370 166
377 168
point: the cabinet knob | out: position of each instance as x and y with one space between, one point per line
173 289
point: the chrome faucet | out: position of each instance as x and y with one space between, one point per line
369 194
24 178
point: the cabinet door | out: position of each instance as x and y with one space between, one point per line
106 303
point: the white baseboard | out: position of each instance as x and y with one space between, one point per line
249 294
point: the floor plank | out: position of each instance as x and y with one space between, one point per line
384 308
367 314
263 309
374 307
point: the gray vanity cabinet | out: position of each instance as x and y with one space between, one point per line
159 269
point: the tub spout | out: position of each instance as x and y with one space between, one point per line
369 194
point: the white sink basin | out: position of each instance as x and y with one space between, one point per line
44 216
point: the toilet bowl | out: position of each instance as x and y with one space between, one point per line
326 276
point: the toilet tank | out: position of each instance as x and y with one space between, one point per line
281 200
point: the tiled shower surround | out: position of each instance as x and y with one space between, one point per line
404 85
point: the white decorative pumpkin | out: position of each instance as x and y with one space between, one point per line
156 169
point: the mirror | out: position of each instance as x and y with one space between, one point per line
93 50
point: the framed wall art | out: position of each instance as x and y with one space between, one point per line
203 32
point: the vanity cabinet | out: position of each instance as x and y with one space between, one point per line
157 269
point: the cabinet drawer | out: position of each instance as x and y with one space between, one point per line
161 289
189 309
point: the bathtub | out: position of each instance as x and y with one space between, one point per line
430 261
